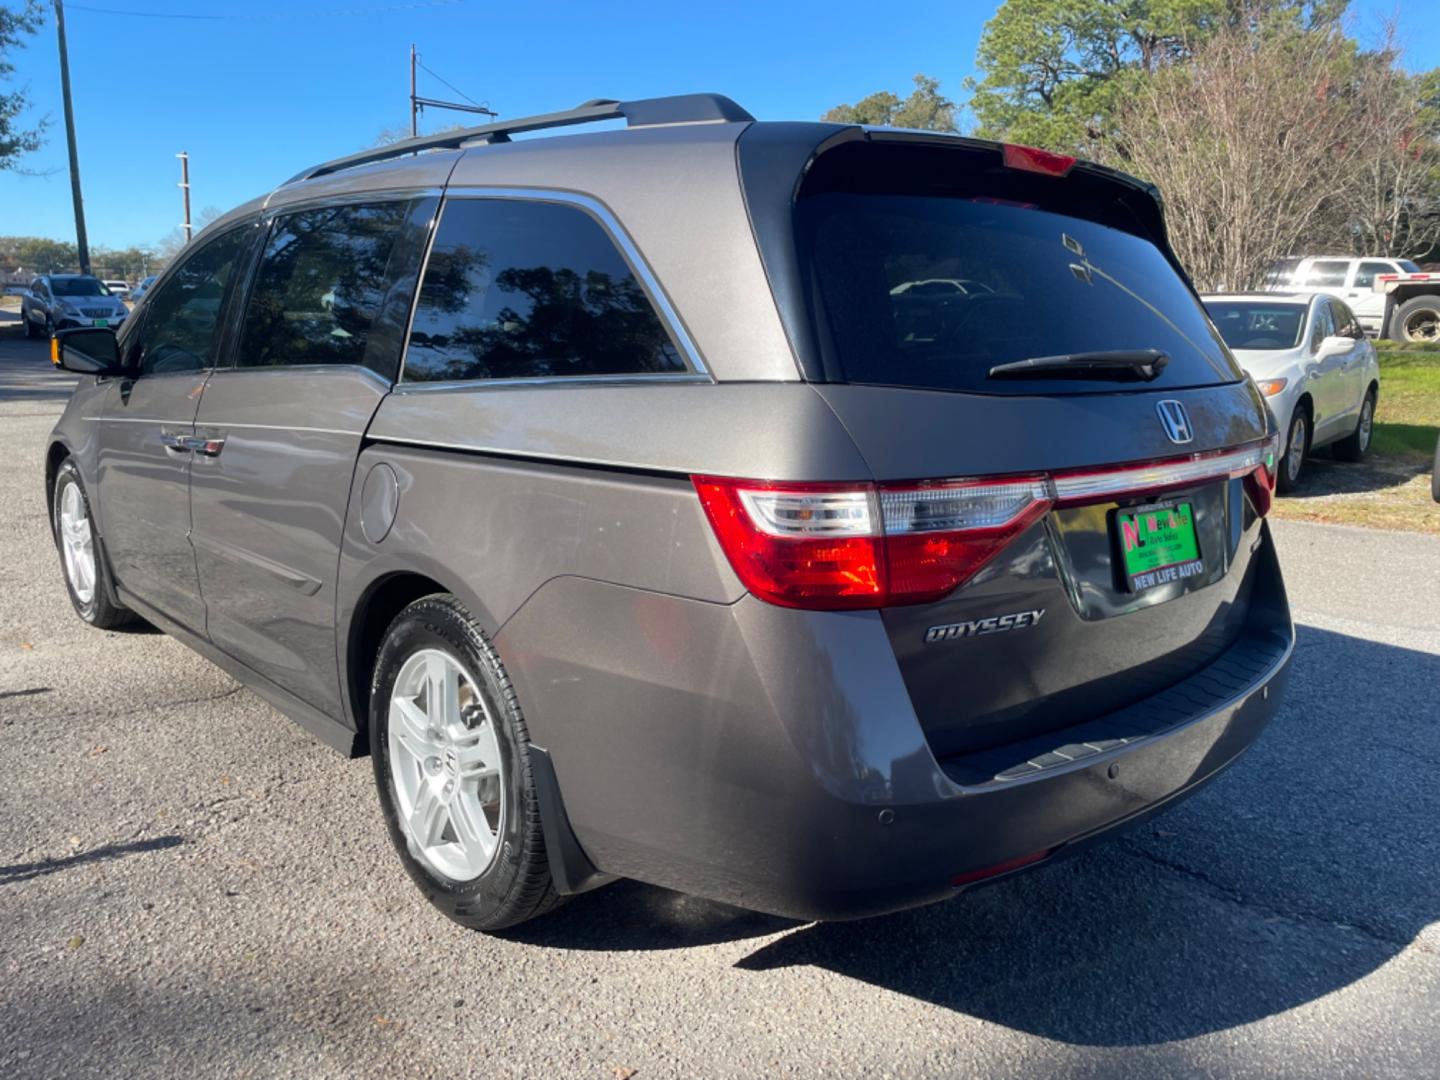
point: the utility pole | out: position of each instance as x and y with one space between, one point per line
414 106
184 186
418 103
82 245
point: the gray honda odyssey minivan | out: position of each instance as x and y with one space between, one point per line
815 518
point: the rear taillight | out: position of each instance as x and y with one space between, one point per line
837 546
864 545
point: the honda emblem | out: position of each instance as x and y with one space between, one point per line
1175 420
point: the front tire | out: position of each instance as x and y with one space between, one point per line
452 768
1356 445
1297 449
86 577
30 331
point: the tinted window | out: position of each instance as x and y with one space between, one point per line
1327 272
517 290
182 316
1246 324
1035 284
1366 271
326 276
1281 272
79 286
1344 321
1321 326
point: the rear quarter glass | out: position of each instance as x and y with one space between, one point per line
931 286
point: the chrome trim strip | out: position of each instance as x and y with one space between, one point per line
415 387
607 221
1164 474
512 454
226 425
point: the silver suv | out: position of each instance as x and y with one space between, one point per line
615 494
65 301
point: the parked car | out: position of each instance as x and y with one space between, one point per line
118 288
1315 366
14 290
590 485
138 293
65 301
1392 298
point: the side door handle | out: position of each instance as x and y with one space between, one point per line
209 445
172 440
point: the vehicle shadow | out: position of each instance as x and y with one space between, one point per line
1306 867
1325 475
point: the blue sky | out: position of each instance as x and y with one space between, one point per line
270 87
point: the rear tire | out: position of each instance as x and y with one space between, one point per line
1297 450
452 768
1417 320
81 556
1356 445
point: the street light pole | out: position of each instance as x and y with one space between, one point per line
82 245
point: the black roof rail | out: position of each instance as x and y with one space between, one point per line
646 112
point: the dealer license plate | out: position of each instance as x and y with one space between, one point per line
1158 545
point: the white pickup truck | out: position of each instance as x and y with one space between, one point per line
1392 298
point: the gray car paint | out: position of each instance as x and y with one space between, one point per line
702 739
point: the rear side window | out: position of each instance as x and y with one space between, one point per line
334 286
1281 273
933 291
518 289
1327 272
1366 271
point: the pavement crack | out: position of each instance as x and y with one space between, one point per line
1299 917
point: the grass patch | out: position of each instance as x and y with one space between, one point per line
1391 488
1407 422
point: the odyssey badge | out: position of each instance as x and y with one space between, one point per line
996 624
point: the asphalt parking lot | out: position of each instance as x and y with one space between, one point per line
189 884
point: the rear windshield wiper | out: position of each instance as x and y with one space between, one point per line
1141 364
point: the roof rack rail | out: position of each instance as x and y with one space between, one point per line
646 112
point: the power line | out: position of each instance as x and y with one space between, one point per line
452 86
332 12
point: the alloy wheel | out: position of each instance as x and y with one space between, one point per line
445 766
1295 451
77 543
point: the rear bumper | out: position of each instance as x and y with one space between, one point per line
771 759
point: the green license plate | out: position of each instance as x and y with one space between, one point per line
1158 545
102 322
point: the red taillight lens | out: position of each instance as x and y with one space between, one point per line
999 868
1033 159
798 545
861 546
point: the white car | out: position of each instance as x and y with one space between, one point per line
118 288
1311 359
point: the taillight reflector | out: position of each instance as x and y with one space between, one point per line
999 868
1033 159
862 545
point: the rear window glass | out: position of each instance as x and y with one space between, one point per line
1247 325
935 291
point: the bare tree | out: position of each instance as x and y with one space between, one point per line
1391 193
1253 142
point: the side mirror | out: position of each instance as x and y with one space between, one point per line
86 351
1335 345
